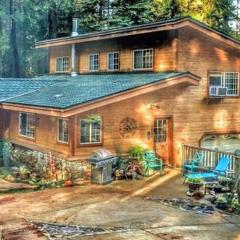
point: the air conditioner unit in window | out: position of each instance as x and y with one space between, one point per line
218 91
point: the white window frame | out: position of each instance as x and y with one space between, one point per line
142 50
68 67
89 62
90 134
223 83
108 63
27 126
58 133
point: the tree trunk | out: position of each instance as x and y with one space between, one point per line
52 24
13 41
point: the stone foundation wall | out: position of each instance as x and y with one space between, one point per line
48 166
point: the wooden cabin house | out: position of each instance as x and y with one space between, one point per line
157 85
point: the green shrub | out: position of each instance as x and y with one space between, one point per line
194 180
136 151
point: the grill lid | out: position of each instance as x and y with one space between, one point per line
100 155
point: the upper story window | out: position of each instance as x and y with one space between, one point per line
223 84
93 62
143 59
27 125
63 132
113 61
90 131
62 64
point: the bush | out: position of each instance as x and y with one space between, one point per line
136 151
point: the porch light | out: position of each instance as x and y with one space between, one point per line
152 106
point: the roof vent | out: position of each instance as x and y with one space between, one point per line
58 96
74 27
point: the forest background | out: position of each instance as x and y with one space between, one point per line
23 22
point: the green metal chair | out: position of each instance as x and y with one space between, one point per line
193 164
152 162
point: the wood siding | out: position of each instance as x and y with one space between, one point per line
164 45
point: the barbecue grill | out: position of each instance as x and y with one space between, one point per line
101 162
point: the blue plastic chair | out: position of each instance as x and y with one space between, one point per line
193 165
220 170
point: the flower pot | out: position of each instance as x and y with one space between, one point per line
193 187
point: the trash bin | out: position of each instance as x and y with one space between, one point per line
101 162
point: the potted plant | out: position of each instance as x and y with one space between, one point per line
24 172
136 151
194 184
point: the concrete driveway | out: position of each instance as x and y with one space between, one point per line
121 205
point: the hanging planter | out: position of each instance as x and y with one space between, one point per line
93 118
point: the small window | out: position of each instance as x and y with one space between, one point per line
63 132
93 62
113 61
90 131
160 130
27 125
143 59
62 64
223 84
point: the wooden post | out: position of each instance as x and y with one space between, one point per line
72 128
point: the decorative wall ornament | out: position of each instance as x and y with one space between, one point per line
127 127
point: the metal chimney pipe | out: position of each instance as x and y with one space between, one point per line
74 27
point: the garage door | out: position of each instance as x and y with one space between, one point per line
225 143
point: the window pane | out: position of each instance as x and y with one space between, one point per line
63 130
85 131
31 125
143 59
113 61
93 62
138 59
231 83
96 132
215 79
90 131
23 123
27 124
59 64
147 58
160 131
62 64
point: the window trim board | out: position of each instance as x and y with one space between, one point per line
133 61
59 141
69 67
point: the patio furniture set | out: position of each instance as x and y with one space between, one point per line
194 172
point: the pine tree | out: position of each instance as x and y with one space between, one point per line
165 9
130 12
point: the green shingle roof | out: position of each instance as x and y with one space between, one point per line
87 88
12 87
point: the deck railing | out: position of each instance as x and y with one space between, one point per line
211 158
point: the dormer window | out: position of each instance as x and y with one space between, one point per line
62 64
93 62
143 59
223 84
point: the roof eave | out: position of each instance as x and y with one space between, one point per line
141 29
